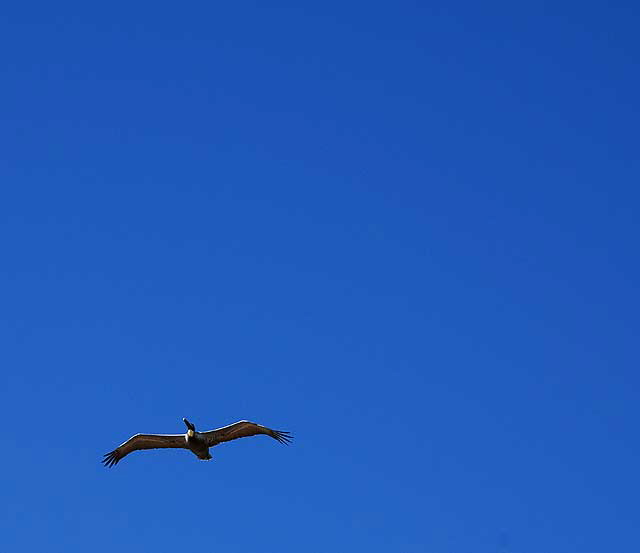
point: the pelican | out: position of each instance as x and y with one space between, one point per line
197 442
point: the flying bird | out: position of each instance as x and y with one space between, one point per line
197 442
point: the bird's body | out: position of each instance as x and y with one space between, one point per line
198 445
196 442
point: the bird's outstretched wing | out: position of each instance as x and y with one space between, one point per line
242 429
144 441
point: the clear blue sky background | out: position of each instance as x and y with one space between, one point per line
406 232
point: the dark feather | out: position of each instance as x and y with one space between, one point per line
243 429
144 441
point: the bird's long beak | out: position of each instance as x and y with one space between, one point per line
189 425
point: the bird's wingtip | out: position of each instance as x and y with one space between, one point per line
110 459
283 437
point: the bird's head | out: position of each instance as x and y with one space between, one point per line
190 428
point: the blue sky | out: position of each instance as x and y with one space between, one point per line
406 232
